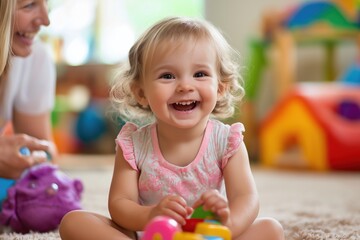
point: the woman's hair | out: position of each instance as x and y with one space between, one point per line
7 9
176 30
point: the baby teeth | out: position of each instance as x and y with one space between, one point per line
185 103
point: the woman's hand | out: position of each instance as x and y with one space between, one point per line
216 203
174 207
12 162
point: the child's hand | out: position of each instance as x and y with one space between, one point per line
174 207
213 201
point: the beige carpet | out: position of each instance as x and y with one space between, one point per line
310 205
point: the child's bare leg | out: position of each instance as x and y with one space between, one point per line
77 225
263 229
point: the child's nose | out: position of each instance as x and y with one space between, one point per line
185 85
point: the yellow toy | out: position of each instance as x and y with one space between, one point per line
165 228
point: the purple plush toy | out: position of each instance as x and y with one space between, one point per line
39 199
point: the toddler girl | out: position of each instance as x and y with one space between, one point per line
181 74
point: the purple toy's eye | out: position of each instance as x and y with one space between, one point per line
52 189
32 184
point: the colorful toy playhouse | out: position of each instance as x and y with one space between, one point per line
321 121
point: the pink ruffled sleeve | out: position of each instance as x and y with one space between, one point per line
125 142
235 138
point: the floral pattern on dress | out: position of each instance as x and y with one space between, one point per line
159 178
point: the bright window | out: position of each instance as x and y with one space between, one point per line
102 31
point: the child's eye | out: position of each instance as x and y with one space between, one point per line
199 74
167 76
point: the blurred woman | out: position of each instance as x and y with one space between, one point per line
27 88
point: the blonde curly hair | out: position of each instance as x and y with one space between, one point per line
176 30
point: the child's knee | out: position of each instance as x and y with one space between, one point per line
274 228
69 222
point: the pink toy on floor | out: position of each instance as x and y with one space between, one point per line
161 227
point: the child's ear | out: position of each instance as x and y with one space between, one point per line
222 88
139 95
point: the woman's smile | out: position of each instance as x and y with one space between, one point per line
25 38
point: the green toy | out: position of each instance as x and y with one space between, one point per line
200 213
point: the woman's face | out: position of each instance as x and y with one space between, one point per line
29 16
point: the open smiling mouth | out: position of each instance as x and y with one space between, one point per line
26 35
185 106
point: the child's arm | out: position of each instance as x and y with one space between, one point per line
124 205
241 207
241 191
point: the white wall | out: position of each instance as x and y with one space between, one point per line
240 19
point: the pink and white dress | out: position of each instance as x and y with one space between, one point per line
159 178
